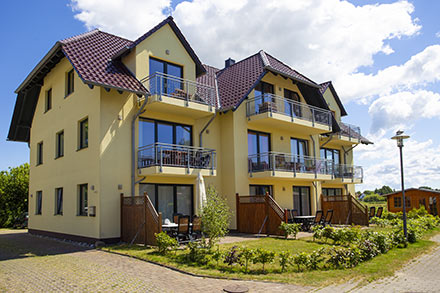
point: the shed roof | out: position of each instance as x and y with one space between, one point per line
415 189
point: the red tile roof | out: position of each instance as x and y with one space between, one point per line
90 55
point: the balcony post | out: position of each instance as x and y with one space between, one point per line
294 166
313 117
187 159
272 160
316 168
250 166
291 111
270 105
212 162
159 79
186 91
161 158
329 120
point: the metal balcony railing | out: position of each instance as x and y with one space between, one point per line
351 131
349 172
172 155
274 161
270 103
161 84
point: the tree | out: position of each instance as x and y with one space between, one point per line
14 189
215 216
383 190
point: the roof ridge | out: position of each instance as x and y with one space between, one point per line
116 36
79 37
264 58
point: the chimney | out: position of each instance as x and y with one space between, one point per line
229 62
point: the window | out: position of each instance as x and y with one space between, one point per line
334 155
48 100
330 154
83 134
38 203
258 150
397 202
331 191
59 147
301 200
69 83
59 201
170 199
299 147
39 153
262 94
260 189
408 202
83 200
151 131
169 84
291 103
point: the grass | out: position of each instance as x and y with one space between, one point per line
381 266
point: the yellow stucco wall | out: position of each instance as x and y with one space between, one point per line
331 102
76 167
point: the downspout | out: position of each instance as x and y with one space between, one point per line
213 117
317 204
133 143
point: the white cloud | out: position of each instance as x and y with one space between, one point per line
437 34
421 164
402 109
325 39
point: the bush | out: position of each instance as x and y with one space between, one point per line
290 229
232 257
344 257
263 256
314 258
317 232
327 233
198 253
285 260
217 255
367 249
246 255
215 216
300 259
165 242
374 198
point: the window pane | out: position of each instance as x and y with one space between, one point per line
83 199
252 143
164 133
297 199
305 201
184 200
59 201
166 201
156 66
183 135
84 133
264 143
336 156
150 190
146 132
174 70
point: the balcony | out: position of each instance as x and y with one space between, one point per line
349 133
176 160
275 111
180 96
288 166
348 174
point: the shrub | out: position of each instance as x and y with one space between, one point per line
398 238
215 216
374 198
367 249
217 255
263 256
314 258
317 232
344 257
246 255
198 253
382 241
285 260
327 233
232 257
416 213
300 259
290 229
165 242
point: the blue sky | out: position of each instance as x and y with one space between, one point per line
355 44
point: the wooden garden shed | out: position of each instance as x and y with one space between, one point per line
415 198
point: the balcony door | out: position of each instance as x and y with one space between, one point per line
301 200
151 131
170 199
169 84
299 150
258 150
334 156
263 99
291 103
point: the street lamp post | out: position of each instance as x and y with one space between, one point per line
399 137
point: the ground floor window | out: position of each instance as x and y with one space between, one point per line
260 190
301 200
170 199
332 191
38 203
82 200
58 201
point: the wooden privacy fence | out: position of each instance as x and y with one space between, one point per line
259 214
139 220
346 209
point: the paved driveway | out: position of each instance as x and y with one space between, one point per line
30 263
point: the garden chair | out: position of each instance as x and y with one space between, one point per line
328 218
196 231
372 212
291 216
379 212
318 218
176 217
183 229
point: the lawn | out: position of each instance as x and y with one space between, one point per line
379 267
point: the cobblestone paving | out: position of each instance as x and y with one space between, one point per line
34 264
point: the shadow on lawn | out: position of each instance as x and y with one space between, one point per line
20 244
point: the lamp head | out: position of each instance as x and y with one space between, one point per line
399 137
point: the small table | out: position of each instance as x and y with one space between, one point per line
306 221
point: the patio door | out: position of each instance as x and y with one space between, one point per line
301 200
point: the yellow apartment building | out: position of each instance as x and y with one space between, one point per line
105 116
